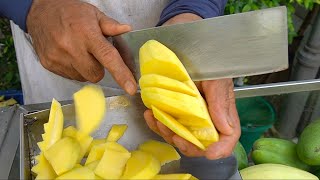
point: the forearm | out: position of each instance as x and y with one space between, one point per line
202 8
16 10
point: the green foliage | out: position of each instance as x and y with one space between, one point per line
237 6
9 73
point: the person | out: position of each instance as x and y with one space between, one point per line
62 45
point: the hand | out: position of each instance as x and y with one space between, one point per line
221 104
69 38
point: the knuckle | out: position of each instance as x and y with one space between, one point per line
95 74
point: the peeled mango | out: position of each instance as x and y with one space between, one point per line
78 173
90 107
167 88
274 171
174 176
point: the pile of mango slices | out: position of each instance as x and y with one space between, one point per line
71 153
167 89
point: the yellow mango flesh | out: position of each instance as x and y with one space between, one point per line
43 169
175 126
95 142
90 107
171 93
113 161
141 165
92 165
63 155
164 152
174 177
116 132
78 173
155 80
156 58
83 139
96 153
53 129
175 103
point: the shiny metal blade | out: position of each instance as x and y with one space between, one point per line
229 46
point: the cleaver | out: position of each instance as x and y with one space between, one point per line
237 45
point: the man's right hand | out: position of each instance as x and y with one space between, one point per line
69 38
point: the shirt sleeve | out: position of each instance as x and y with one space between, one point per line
202 8
16 10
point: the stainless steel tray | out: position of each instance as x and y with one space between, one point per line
120 110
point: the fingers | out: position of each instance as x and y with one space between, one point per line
109 57
187 148
165 132
111 27
220 98
151 121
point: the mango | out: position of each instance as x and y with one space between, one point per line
96 153
175 126
63 155
78 173
164 152
93 165
163 82
95 142
113 161
53 128
174 177
43 169
83 139
90 107
116 132
166 85
155 58
141 165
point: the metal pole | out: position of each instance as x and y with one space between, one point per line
308 63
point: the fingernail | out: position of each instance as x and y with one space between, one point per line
130 87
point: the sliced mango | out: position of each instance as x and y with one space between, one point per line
78 173
155 58
116 132
53 129
113 161
155 80
43 169
141 165
96 153
164 152
174 177
83 139
175 103
92 165
90 107
95 142
175 126
63 155
205 134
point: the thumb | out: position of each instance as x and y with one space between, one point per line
111 27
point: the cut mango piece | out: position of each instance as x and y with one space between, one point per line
175 126
53 129
43 169
78 173
90 107
174 177
206 134
174 103
155 80
96 153
63 155
155 58
164 152
141 165
113 161
116 132
83 139
92 165
95 142
70 131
